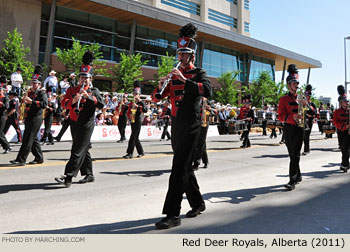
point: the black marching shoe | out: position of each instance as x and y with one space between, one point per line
305 153
57 139
205 166
18 163
299 180
195 211
128 156
36 162
290 186
7 150
120 141
242 146
140 155
168 222
87 179
344 168
50 143
65 180
195 166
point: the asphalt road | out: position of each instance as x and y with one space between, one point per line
243 191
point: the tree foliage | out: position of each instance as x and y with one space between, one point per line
14 54
264 90
166 65
127 71
72 58
228 93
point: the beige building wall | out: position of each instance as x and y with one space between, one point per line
236 11
25 15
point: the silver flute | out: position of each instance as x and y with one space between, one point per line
165 84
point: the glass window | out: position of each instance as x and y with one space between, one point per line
184 5
246 4
246 26
222 18
232 1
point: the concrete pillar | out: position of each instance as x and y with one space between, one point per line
132 38
50 30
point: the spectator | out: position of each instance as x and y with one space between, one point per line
72 80
115 117
51 82
100 119
64 84
16 81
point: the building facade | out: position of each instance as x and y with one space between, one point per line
149 27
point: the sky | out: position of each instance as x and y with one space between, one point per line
313 28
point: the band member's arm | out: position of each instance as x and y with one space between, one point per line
283 115
40 101
95 99
66 100
201 87
142 107
165 93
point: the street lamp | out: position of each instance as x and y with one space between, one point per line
346 83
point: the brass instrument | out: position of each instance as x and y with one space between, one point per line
23 111
301 109
133 110
205 113
165 84
77 110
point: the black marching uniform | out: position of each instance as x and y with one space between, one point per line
65 125
82 126
309 122
12 120
4 104
49 112
166 114
33 118
122 121
246 113
135 123
182 179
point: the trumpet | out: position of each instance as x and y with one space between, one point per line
133 110
205 112
23 110
301 109
165 84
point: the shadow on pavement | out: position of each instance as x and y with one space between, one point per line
145 174
26 187
273 156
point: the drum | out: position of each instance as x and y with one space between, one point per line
231 126
270 116
271 124
328 129
261 115
240 126
279 124
325 115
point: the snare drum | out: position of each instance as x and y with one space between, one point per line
328 129
271 124
240 126
261 115
231 126
279 124
270 116
325 115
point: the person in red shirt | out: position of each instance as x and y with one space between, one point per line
341 122
294 135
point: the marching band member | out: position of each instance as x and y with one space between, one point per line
35 100
4 104
82 101
309 119
246 114
49 111
201 149
294 135
135 110
188 84
341 122
122 109
166 113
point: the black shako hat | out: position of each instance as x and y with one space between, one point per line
342 96
186 42
293 74
86 70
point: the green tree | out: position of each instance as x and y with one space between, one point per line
14 54
166 65
264 90
72 58
127 71
228 93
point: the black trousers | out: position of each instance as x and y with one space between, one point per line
245 137
182 178
264 123
344 142
134 139
47 131
294 137
65 125
30 141
307 138
3 141
80 158
165 130
173 133
201 149
121 127
273 133
11 120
